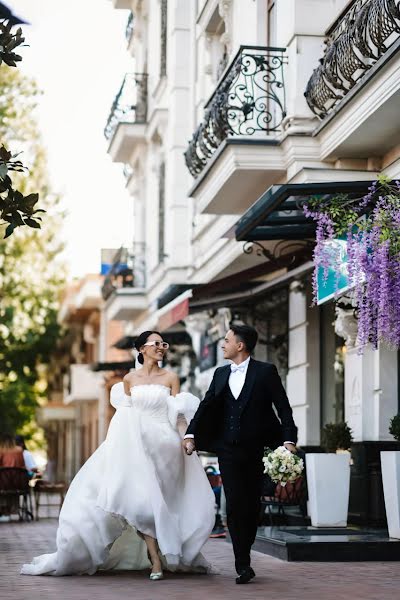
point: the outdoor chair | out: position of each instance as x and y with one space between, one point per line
15 493
291 495
47 488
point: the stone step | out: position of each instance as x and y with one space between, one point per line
291 543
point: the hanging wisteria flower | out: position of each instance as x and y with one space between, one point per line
282 466
372 228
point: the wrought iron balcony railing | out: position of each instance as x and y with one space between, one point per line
129 27
130 104
354 44
249 100
127 271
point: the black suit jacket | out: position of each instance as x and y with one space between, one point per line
259 424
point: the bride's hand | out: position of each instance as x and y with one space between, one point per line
189 446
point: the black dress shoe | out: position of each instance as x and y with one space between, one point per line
245 575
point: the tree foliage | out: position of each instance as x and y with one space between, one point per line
31 272
16 209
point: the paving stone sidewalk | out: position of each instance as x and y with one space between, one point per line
276 580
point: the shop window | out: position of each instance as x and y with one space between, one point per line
333 351
208 353
270 318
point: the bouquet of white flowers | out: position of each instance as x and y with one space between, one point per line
282 465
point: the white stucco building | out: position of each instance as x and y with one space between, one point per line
225 99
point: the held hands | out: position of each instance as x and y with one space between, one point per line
188 446
291 447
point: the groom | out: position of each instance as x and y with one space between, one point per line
236 420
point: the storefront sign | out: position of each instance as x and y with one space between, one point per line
335 281
175 314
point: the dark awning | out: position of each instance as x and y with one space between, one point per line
278 213
113 366
125 343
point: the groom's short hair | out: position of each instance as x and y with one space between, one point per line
246 334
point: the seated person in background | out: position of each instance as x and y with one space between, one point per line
11 455
30 464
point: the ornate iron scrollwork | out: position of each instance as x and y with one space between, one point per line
283 254
249 99
130 104
362 36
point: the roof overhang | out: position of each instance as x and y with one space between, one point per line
278 213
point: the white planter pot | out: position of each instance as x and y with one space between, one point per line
328 481
390 461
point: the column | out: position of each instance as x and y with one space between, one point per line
303 379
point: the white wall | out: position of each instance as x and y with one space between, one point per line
302 382
371 392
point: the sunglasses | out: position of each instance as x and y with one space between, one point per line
158 344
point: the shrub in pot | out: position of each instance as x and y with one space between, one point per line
336 436
394 427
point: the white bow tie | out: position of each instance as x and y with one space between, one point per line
240 368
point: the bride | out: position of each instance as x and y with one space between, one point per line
139 500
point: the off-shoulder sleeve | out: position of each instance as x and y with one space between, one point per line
118 397
184 404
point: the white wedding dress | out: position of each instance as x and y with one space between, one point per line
139 479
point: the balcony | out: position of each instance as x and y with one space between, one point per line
126 123
239 132
89 294
359 39
46 414
124 286
82 384
355 91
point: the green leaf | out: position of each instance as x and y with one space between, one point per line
31 200
9 230
32 223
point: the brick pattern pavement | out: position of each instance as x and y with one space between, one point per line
276 579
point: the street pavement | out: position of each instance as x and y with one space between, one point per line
276 579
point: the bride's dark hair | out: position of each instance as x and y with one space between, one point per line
142 339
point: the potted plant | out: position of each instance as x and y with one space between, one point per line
390 462
328 477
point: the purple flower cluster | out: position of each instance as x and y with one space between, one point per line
373 253
323 255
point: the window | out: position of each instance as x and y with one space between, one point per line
163 31
271 25
161 212
332 368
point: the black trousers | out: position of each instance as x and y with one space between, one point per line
242 476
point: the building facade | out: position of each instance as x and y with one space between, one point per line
235 111
84 366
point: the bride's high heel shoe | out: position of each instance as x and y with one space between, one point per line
155 576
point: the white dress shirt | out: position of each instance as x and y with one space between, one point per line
236 381
238 377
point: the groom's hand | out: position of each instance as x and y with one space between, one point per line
188 445
290 447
